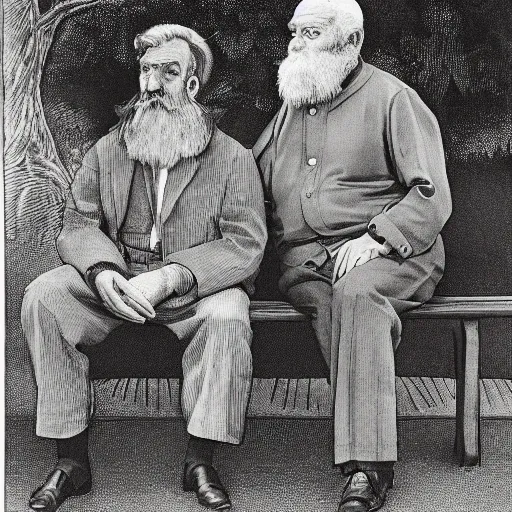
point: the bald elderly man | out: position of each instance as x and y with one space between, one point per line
164 223
354 169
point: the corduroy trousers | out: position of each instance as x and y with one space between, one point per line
59 312
358 328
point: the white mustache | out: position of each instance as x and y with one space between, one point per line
154 101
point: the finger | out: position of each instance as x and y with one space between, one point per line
125 317
339 258
138 301
116 304
385 249
123 309
136 306
343 264
354 255
127 299
117 314
107 304
364 258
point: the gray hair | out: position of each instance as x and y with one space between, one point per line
159 34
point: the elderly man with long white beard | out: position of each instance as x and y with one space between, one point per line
354 170
164 223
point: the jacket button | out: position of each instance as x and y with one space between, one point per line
308 194
312 161
404 249
312 111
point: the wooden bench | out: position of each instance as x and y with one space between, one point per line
468 310
138 360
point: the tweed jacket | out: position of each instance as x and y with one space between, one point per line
371 157
213 219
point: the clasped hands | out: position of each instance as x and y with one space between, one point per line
357 252
134 299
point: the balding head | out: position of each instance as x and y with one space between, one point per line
326 40
345 15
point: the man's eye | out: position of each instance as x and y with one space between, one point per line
312 33
145 69
171 71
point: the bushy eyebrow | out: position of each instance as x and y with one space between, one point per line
162 64
324 22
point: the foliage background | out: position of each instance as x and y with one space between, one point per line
456 53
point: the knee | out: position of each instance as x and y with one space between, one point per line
356 286
46 287
227 306
229 311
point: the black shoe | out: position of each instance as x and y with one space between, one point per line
365 492
204 481
66 480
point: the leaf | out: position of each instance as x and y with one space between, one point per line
236 47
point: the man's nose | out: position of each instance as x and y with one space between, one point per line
297 44
153 84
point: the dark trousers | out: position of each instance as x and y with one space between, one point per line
357 326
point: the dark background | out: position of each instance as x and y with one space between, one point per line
456 53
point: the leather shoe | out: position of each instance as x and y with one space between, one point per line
204 480
365 492
66 480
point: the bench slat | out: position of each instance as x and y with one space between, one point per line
437 307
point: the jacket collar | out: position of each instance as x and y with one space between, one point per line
355 80
122 167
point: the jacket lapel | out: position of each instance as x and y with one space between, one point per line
179 177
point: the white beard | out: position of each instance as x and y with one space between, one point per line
311 78
162 132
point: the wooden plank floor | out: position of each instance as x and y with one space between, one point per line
307 398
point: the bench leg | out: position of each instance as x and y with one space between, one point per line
467 360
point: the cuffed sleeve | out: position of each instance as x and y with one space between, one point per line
92 273
412 225
183 277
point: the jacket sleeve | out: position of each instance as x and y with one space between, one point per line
82 242
236 256
412 225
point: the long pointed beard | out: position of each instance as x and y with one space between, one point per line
160 132
315 77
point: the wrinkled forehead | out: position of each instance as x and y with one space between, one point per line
313 11
176 50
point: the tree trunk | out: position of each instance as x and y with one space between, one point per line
36 181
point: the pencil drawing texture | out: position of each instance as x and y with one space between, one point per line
138 136
137 246
354 169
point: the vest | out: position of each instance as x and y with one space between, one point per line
135 232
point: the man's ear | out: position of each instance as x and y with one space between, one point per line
193 86
356 38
